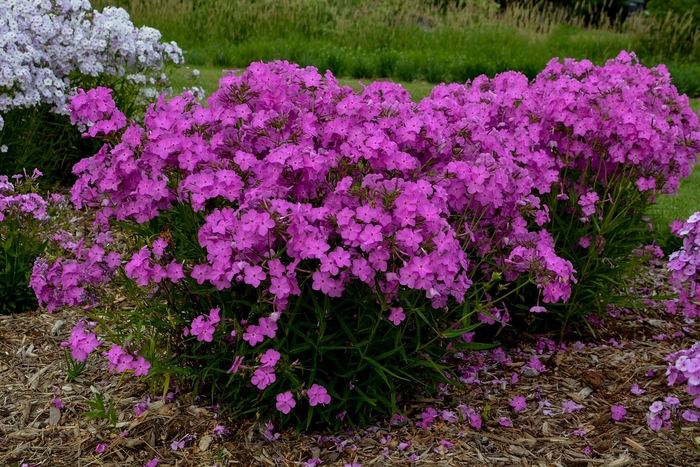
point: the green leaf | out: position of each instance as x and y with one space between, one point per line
451 333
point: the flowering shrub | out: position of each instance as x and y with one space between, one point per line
25 221
620 134
301 247
298 240
52 47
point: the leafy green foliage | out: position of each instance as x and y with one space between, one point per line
18 250
74 368
101 411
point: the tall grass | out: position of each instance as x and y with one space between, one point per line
411 40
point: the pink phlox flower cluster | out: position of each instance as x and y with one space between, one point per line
81 342
368 208
97 110
203 327
624 119
470 415
264 375
15 205
71 282
536 252
256 334
144 268
23 204
684 367
120 361
661 414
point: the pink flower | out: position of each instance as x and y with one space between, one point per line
263 377
318 395
285 402
656 407
253 335
270 357
397 316
518 403
141 366
475 420
618 412
636 390
254 275
101 448
152 463
503 421
236 364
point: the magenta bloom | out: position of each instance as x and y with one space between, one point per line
253 335
518 403
141 367
318 395
100 448
263 377
285 402
236 364
81 343
397 316
270 357
618 412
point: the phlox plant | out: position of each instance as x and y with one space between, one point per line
26 219
299 248
600 142
52 47
620 134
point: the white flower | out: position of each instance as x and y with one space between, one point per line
42 42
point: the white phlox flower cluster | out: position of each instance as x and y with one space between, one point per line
44 42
